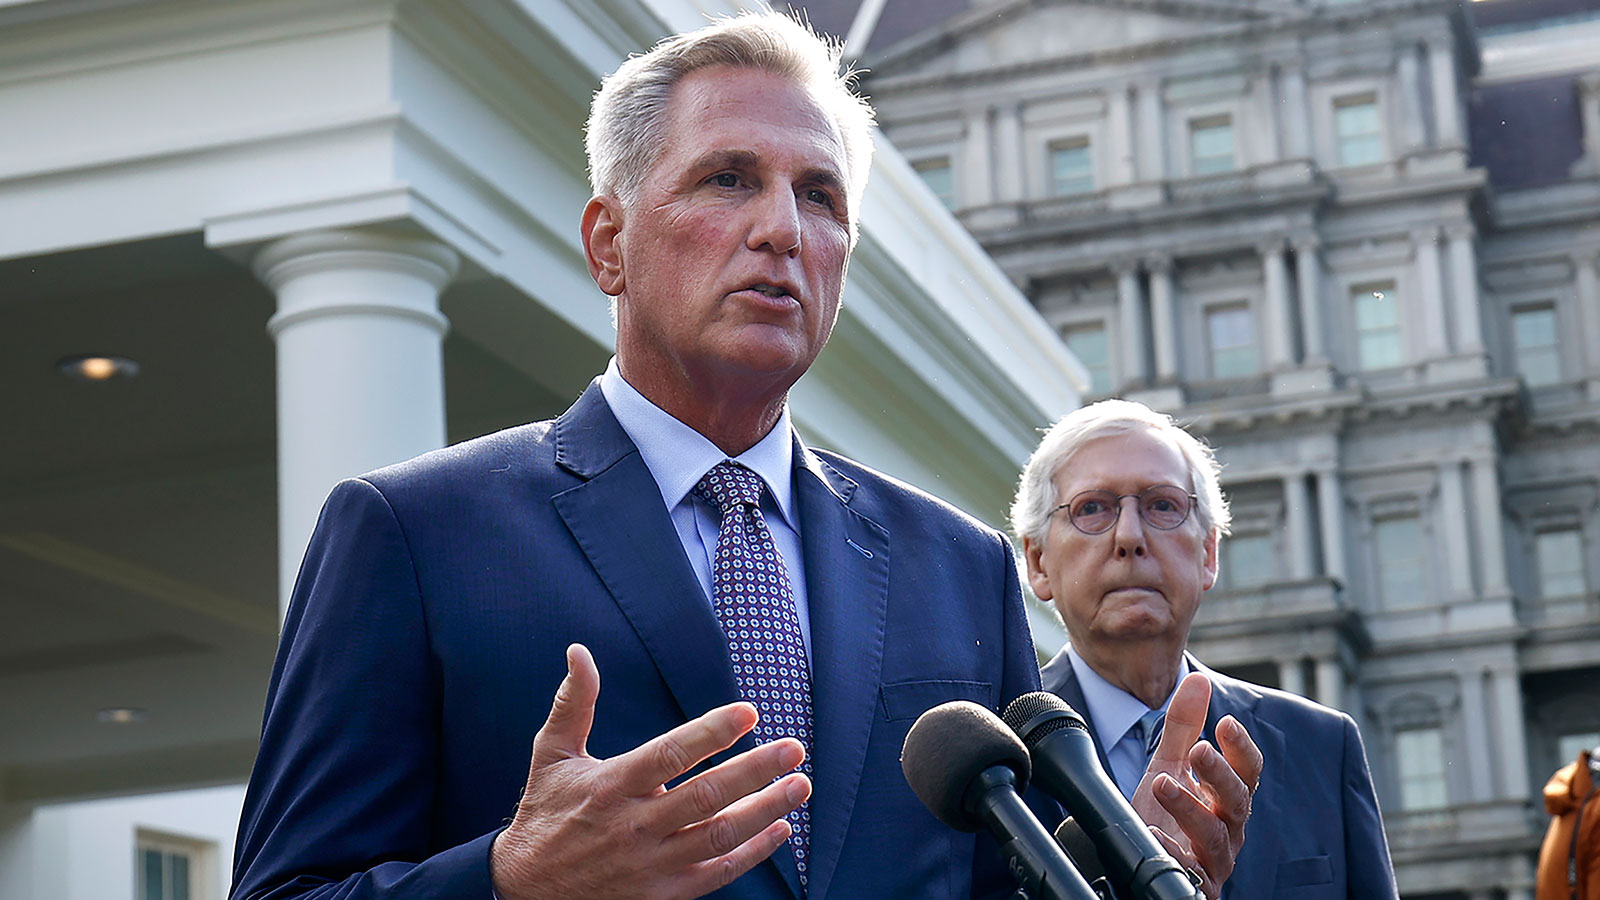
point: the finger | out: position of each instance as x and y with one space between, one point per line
645 768
1240 751
710 792
1207 835
1186 718
1230 797
565 733
708 876
746 818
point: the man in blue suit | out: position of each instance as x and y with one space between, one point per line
1120 512
444 599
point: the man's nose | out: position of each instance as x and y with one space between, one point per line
1128 532
777 222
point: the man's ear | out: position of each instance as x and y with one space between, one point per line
1210 562
602 227
1037 579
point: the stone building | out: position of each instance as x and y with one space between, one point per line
1355 245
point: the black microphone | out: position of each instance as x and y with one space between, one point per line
1067 768
968 769
1082 852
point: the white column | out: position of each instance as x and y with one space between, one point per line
1296 121
1588 282
360 365
1163 321
975 187
1308 274
1152 133
1589 102
1446 94
1008 162
1491 539
1410 98
1130 310
1297 508
1291 677
1280 324
1268 145
1119 134
1330 503
1511 731
1480 774
1464 283
1330 683
1434 341
1457 562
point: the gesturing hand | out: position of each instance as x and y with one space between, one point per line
1197 799
593 828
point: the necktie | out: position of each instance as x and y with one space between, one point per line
755 605
1134 750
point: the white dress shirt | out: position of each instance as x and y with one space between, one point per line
1114 711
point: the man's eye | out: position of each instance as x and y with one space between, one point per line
817 195
1162 504
1090 508
725 179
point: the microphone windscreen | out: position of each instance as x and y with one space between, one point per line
949 746
1039 714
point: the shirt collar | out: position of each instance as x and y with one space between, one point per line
1113 709
678 456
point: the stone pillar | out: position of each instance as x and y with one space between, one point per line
360 365
1296 121
975 181
1446 94
1491 538
1297 509
1163 318
1308 274
1464 283
1588 285
1457 562
1131 319
1268 145
1330 683
1330 503
1280 322
1291 677
1589 103
1431 300
1410 89
1511 730
1480 774
1008 161
1119 135
1152 133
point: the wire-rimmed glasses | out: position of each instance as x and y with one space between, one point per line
1161 506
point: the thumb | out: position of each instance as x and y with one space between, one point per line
566 731
1186 718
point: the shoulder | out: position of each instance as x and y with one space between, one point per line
491 462
888 499
1288 711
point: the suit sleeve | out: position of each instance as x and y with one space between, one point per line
341 800
1371 874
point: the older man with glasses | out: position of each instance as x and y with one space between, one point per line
1120 513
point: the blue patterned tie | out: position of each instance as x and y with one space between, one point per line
755 604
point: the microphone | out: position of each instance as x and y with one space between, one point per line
1071 837
1067 768
968 769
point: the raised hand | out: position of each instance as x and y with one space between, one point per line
592 828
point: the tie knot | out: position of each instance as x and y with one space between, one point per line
730 485
1149 726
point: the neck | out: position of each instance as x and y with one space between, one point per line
734 419
1147 672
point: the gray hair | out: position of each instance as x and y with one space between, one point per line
627 121
1036 491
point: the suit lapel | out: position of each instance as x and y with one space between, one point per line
1059 678
847 584
634 548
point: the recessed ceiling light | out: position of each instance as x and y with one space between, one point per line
119 715
96 367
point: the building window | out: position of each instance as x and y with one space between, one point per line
164 873
1088 343
1538 347
1377 311
1355 123
1419 755
1398 542
1211 145
938 176
1560 554
1233 341
1071 167
1247 561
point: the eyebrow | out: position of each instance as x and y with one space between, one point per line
748 159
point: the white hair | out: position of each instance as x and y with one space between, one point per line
627 121
1036 491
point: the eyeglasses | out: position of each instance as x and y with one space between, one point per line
1161 506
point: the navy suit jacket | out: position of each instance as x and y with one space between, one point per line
1314 829
426 636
